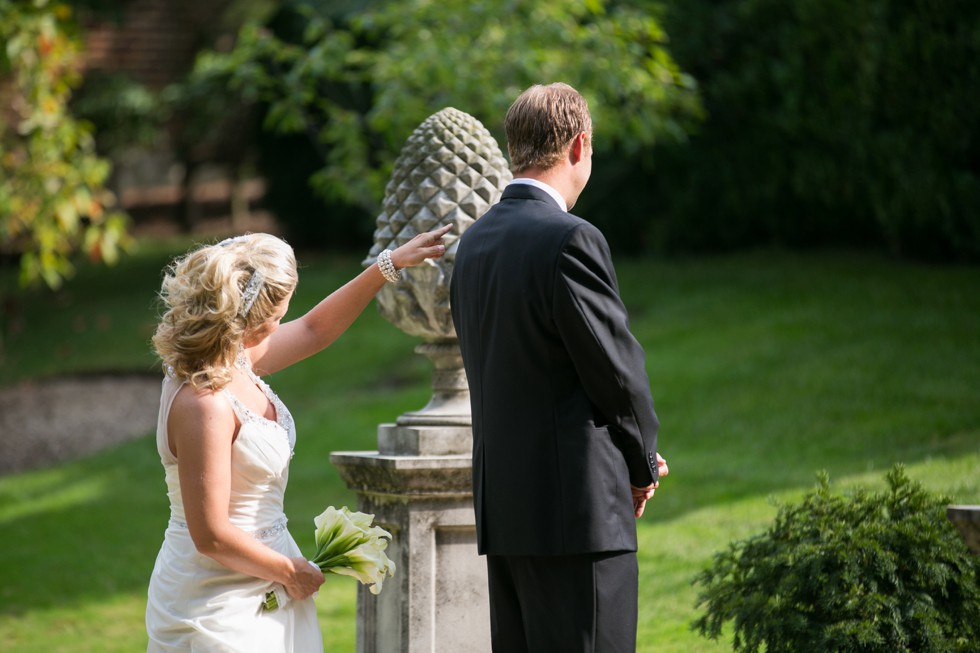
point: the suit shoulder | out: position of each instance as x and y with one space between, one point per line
555 219
534 219
582 231
582 223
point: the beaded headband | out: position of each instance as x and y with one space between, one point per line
251 291
254 284
232 240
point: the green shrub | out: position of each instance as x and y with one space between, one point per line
844 122
873 572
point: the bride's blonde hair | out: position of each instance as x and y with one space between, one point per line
206 295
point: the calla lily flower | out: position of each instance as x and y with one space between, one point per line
348 544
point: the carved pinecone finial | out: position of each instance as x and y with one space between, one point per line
450 170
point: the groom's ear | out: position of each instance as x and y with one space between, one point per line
577 149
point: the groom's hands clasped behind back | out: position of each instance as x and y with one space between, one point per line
643 494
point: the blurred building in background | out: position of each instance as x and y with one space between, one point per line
183 157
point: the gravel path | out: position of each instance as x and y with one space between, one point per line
44 422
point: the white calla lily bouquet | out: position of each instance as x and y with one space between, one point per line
347 544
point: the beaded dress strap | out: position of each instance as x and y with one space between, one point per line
246 415
243 412
283 417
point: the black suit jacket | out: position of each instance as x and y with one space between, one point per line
563 420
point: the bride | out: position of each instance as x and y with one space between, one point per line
225 440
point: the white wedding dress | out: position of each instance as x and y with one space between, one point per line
195 603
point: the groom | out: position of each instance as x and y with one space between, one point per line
564 431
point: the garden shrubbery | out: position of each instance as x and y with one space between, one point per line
829 122
721 124
872 572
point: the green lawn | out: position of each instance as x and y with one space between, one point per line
765 367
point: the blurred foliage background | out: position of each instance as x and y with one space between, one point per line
724 129
720 124
53 201
830 122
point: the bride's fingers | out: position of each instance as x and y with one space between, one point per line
440 232
425 245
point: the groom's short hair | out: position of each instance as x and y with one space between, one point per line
541 123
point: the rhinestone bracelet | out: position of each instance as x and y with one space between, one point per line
387 268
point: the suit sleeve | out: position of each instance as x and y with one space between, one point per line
593 323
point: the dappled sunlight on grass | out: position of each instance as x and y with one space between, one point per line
100 625
95 537
25 495
766 368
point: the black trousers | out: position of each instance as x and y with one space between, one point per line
563 604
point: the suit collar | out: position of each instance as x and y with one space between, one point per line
526 191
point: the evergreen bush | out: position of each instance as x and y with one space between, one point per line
870 572
830 122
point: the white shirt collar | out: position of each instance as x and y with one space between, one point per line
527 181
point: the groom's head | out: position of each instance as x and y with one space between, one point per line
542 123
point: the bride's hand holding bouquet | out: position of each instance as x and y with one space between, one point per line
347 544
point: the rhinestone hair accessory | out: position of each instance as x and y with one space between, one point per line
252 288
254 284
232 241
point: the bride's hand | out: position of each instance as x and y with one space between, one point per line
423 246
306 579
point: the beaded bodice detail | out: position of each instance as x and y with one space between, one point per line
284 419
260 456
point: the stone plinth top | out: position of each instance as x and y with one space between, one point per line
371 472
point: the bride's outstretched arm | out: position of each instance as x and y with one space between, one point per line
298 339
202 426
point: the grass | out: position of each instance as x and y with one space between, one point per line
766 367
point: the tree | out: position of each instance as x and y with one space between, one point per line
53 200
832 122
359 82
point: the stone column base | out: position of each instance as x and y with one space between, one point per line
437 601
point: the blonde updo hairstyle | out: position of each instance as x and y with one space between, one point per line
202 328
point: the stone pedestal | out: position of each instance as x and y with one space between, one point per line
967 521
418 484
450 402
419 488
